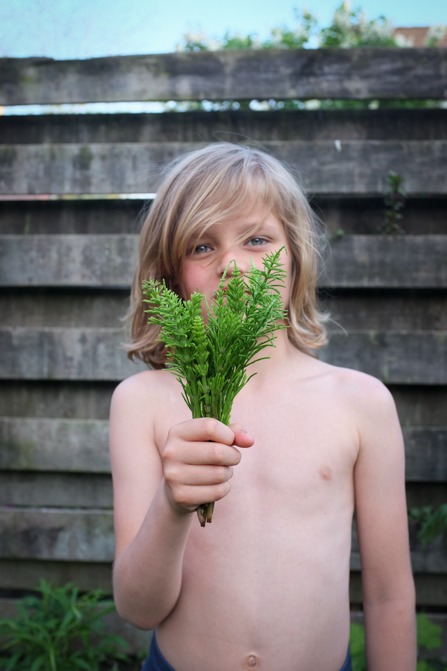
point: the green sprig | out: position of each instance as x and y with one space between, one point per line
210 356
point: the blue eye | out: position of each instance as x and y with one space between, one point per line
257 241
201 249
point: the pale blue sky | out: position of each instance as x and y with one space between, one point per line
88 28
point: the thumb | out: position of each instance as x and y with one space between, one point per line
241 437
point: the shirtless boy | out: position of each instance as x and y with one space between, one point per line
266 585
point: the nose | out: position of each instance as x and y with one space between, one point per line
230 260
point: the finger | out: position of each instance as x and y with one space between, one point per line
188 497
241 437
204 429
188 453
201 476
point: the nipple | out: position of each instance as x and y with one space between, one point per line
326 473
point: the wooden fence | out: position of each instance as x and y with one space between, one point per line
68 242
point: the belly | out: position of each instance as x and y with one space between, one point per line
262 598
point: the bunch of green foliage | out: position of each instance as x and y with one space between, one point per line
348 28
430 521
210 356
59 629
357 645
429 639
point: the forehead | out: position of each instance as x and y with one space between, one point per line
255 221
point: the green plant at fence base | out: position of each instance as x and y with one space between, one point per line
357 645
60 629
394 204
428 640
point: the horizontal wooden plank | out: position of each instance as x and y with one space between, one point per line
220 75
426 494
69 445
393 261
426 454
108 261
270 125
68 260
67 215
77 215
56 534
394 357
58 398
97 354
34 444
35 307
17 574
420 406
393 310
55 489
65 354
323 167
363 215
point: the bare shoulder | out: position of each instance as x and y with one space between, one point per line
362 386
147 403
144 386
367 398
369 404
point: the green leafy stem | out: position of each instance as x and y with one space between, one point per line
209 356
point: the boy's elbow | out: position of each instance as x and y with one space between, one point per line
137 620
398 591
132 612
134 607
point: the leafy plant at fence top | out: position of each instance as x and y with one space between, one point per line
59 629
349 28
210 356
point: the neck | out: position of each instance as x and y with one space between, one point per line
277 356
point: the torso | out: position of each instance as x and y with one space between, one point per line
266 585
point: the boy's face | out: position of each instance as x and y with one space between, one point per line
244 239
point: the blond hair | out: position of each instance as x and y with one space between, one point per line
203 188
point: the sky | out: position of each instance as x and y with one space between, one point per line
66 29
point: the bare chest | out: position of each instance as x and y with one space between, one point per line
303 447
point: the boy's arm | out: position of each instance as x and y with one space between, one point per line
154 497
382 524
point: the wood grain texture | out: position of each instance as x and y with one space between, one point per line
234 75
322 167
107 261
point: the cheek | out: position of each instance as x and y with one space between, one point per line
191 279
